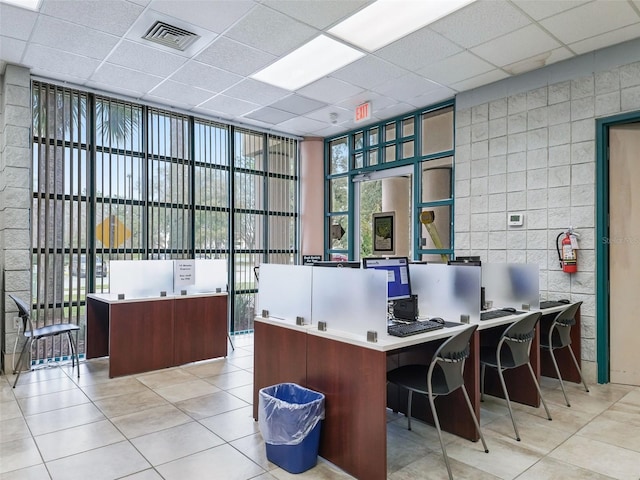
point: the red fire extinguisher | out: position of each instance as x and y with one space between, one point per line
567 253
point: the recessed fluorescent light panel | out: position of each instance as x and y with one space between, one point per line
30 4
312 61
386 21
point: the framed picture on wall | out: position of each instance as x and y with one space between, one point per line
384 233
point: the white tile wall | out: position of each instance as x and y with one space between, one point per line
548 172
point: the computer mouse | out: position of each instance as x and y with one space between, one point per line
437 320
509 309
564 300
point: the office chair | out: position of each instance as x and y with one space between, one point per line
449 359
512 351
32 334
560 337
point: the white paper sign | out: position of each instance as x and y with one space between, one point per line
185 273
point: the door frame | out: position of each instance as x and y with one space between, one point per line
602 234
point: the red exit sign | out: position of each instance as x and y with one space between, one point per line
363 112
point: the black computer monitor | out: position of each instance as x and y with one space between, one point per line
397 268
339 264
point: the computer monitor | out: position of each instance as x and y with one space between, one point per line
397 268
339 264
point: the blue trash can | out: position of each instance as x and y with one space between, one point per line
290 417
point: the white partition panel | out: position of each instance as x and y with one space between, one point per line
350 300
446 291
285 291
141 278
210 274
511 284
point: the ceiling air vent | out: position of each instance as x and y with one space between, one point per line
170 36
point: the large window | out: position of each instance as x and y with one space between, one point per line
423 140
115 180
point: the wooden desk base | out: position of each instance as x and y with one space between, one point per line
563 357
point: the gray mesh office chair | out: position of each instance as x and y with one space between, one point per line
560 337
512 351
31 334
444 375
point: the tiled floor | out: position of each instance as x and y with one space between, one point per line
195 422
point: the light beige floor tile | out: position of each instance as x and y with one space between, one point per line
210 368
431 466
225 461
253 447
243 393
183 391
150 420
176 442
165 378
232 425
144 475
624 413
106 463
9 410
52 401
323 470
264 476
13 429
63 418
6 392
209 405
23 390
18 454
93 371
564 418
229 380
552 469
505 459
245 362
114 387
37 472
77 439
599 457
621 434
124 404
39 373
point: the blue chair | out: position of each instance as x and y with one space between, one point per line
31 334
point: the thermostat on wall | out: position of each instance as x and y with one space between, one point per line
515 219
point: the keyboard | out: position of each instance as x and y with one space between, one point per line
413 328
491 314
551 304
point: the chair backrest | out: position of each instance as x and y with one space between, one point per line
517 338
24 312
450 357
561 329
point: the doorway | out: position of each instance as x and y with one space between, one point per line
623 242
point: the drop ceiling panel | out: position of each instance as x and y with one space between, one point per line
433 96
215 16
369 72
298 104
271 31
205 76
270 115
73 38
317 14
257 92
126 78
510 48
342 115
418 49
11 50
607 39
175 93
480 22
377 101
235 57
329 90
539 9
16 22
228 105
145 59
456 68
590 20
302 125
48 61
110 16
484 79
407 87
